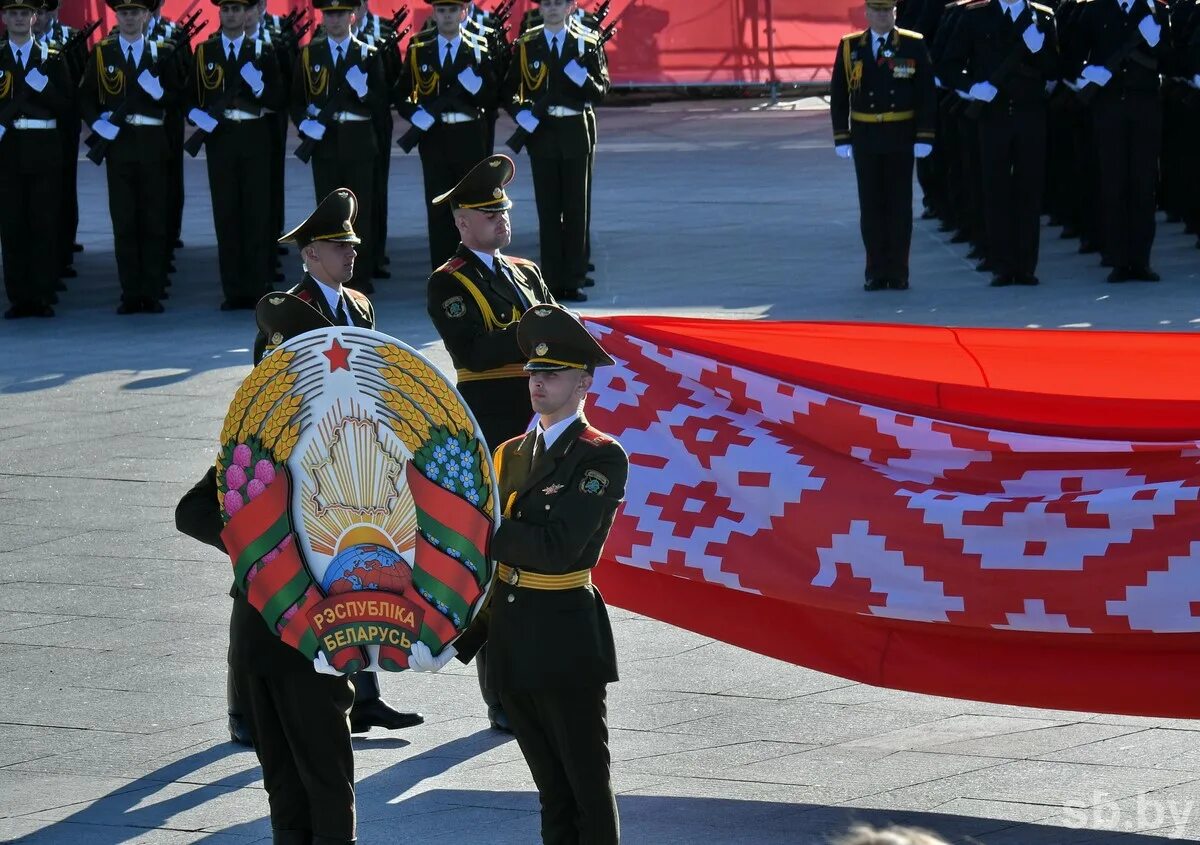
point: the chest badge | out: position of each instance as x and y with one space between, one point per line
552 489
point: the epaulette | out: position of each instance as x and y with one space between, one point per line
418 44
577 30
515 260
1045 10
474 38
108 39
302 294
916 36
853 35
357 295
594 437
452 265
532 33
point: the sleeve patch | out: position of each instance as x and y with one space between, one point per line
454 307
593 483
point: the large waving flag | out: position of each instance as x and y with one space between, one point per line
1002 515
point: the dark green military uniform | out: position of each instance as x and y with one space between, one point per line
883 102
375 32
458 138
239 157
138 160
31 152
550 644
164 31
347 153
561 146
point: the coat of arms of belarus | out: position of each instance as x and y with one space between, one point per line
358 497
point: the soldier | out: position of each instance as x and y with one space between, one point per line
269 29
884 109
1119 47
162 29
234 79
31 153
547 628
126 67
557 73
374 31
475 301
1005 56
444 89
337 67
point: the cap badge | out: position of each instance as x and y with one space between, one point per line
343 194
277 338
347 226
277 300
541 349
497 193
495 163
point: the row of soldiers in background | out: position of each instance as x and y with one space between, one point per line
1081 109
143 84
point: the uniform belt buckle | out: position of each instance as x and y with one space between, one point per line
514 577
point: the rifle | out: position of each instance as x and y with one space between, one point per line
188 28
444 103
215 110
1006 69
516 141
602 11
1128 50
304 152
10 110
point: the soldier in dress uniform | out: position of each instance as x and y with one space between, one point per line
1120 46
884 109
337 66
551 646
233 79
268 28
451 72
557 73
126 66
373 30
475 301
296 710
31 152
162 29
1005 55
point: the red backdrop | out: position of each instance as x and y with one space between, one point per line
670 42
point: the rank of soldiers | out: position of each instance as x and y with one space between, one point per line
154 90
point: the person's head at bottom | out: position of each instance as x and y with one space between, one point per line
480 205
563 357
327 239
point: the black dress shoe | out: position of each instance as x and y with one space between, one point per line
898 284
68 273
1069 232
1144 273
1087 247
975 254
947 226
367 714
1027 279
53 299
588 282
43 311
76 247
239 734
573 296
152 306
1119 274
928 214
498 719
1001 280
876 284
164 296
591 267
129 308
384 260
380 273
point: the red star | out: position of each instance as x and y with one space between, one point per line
339 357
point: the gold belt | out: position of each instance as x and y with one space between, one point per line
507 371
538 581
882 117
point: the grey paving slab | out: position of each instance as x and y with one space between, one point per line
112 626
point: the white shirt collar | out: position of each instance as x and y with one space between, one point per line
453 42
562 42
345 45
488 259
236 42
136 45
332 295
1011 6
19 51
551 434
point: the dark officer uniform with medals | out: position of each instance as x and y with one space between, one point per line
476 309
551 650
138 159
1012 127
458 138
347 153
31 152
238 152
883 101
561 146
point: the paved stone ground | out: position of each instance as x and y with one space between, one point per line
113 627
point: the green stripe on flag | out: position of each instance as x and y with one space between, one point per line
455 603
309 644
287 596
254 552
448 538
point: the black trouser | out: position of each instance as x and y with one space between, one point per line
1012 159
346 158
563 736
174 124
139 203
239 176
560 187
69 130
1128 139
593 134
383 171
885 195
448 152
299 723
30 194
279 131
968 133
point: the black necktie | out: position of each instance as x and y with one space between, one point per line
448 58
21 58
504 273
554 46
538 462
232 54
879 46
129 57
337 62
343 319
1012 14
1125 7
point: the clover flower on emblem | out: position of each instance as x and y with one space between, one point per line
466 459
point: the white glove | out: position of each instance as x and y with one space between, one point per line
37 80
2 131
1195 83
576 72
321 664
312 129
420 659
1096 74
1050 86
962 95
527 121
106 115
203 119
107 131
470 80
1075 85
357 80
1150 30
253 77
422 120
1034 39
312 110
985 91
844 151
150 84
937 82
921 150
